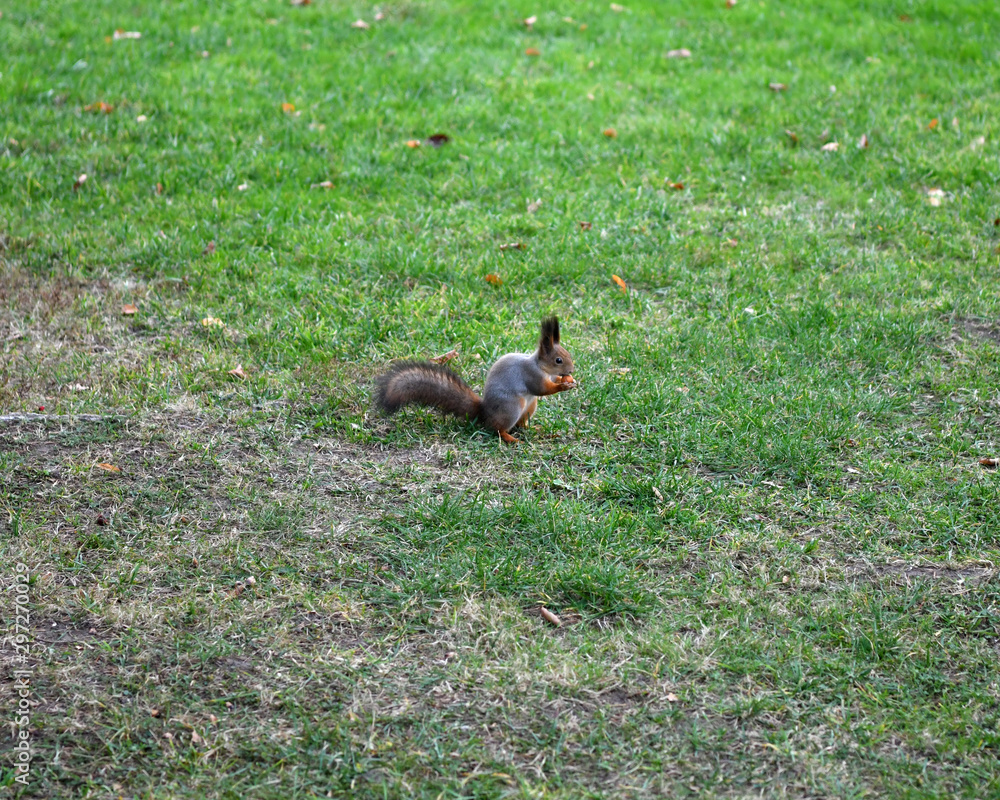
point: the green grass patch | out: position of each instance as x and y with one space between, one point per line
762 519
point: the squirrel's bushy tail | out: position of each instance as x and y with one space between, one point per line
426 384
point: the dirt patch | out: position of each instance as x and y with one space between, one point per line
981 330
934 572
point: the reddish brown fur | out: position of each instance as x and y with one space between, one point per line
427 384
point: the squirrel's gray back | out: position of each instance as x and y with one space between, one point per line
507 375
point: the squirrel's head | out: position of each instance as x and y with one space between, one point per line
554 358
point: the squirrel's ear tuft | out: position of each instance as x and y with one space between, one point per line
550 331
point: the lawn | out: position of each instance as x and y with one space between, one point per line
768 520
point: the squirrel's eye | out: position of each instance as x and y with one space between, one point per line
558 360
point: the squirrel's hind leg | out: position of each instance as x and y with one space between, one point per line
528 411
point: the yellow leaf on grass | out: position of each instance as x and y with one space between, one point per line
444 358
238 372
108 467
129 310
621 284
494 279
288 107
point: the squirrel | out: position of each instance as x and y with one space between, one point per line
510 396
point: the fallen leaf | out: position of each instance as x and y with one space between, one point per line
530 21
619 370
123 34
534 206
863 141
989 463
777 87
243 187
159 188
209 249
129 310
621 284
213 322
681 53
585 226
444 358
549 617
413 143
101 106
672 698
676 186
905 18
730 243
532 51
512 246
80 181
831 147
932 124
288 107
611 133
851 442
238 372
792 137
195 738
935 196
494 279
322 185
438 139
996 222
108 467
360 24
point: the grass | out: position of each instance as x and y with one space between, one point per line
762 519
